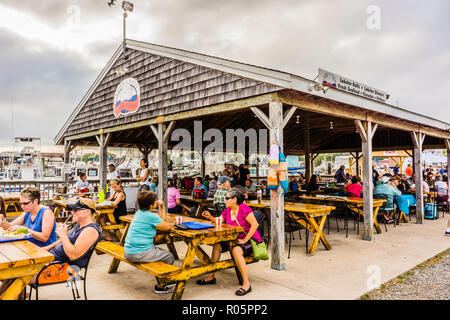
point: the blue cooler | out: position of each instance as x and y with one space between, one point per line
431 211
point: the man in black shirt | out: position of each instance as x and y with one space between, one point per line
244 174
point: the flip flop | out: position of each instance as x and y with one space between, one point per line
243 292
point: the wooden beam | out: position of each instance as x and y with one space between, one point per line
340 110
278 258
367 132
262 116
288 114
231 106
417 139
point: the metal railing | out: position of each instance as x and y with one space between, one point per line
47 188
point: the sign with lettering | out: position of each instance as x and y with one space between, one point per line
126 98
341 83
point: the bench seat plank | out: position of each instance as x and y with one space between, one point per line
159 269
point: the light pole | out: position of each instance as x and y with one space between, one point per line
126 6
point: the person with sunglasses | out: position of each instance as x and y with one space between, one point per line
237 213
38 219
73 245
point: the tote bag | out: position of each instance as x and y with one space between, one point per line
259 249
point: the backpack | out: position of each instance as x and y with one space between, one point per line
199 194
259 215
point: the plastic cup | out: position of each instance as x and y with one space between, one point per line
219 221
179 219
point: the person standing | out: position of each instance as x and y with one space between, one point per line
244 174
143 178
408 170
113 173
375 175
396 170
340 175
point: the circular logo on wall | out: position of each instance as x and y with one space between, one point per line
126 98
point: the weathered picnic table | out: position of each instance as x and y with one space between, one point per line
12 201
356 205
20 260
203 204
166 273
104 208
310 212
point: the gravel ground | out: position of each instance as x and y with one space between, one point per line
428 281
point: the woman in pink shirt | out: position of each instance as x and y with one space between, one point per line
174 204
354 189
237 214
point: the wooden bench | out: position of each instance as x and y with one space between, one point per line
158 269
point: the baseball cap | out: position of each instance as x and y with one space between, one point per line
82 203
385 179
223 179
112 164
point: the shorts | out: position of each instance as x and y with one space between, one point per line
176 209
152 255
246 247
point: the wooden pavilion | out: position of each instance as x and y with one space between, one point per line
178 87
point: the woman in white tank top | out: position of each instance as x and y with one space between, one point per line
143 178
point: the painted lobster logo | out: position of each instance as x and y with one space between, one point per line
127 97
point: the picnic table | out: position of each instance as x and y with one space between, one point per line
203 204
166 273
357 205
311 212
74 194
12 201
20 260
103 208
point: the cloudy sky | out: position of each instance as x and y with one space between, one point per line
52 50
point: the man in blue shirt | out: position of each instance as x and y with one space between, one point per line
388 188
198 184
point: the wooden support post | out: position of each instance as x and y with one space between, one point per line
162 134
103 142
366 131
68 148
275 123
307 146
447 144
417 138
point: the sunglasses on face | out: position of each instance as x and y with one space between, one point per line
25 203
228 198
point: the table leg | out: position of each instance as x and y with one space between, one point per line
318 234
375 222
171 247
187 263
16 288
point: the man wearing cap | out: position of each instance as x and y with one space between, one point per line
113 173
72 246
390 190
224 187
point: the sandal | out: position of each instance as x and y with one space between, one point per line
203 282
243 292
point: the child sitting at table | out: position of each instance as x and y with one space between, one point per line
139 245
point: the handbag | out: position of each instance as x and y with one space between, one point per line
259 249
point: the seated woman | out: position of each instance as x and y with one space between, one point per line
119 204
139 245
82 185
312 185
73 245
174 204
38 219
354 189
236 214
